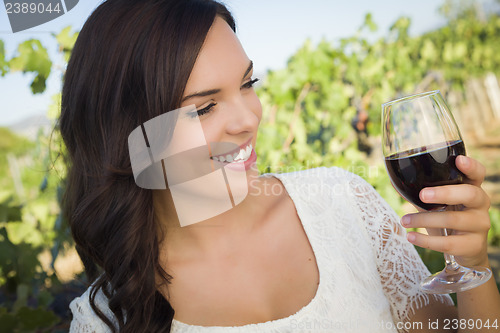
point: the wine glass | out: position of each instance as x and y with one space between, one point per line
420 144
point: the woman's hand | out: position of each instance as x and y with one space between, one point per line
470 224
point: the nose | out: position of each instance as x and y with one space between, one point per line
243 115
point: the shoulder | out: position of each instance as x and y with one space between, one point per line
84 317
337 189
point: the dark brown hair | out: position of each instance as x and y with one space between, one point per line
130 63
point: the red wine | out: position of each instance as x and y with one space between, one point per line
427 166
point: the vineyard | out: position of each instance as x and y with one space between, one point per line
322 109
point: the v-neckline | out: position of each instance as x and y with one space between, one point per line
305 308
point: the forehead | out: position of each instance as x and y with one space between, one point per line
221 58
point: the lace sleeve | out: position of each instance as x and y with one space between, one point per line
85 320
398 262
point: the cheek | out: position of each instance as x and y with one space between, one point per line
214 125
255 105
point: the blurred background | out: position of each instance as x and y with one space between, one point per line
325 69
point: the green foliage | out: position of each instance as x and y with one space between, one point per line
32 57
31 224
66 39
3 64
312 106
18 262
494 233
9 212
11 145
26 320
27 230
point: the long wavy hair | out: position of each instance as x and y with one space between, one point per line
130 63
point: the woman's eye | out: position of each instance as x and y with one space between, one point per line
201 112
249 84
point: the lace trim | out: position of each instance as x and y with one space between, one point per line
399 265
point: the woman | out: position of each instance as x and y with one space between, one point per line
316 250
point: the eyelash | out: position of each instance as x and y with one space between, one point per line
250 83
205 110
208 108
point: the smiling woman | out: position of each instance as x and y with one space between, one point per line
320 247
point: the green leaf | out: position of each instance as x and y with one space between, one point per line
9 211
55 107
32 56
494 232
370 23
36 319
3 63
66 41
428 51
8 323
39 84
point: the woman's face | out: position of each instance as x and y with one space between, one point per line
220 87
212 156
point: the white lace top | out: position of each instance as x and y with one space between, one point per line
368 271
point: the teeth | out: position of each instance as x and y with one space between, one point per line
237 156
242 155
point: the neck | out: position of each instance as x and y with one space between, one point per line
214 236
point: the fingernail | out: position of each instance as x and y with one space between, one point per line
464 160
405 220
428 194
411 238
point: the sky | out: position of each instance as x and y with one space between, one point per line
270 31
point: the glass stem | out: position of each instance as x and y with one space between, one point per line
451 264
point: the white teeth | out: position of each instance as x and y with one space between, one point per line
240 156
237 156
244 154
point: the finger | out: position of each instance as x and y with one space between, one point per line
465 221
457 245
472 169
470 196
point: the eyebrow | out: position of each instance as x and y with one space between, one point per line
215 91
